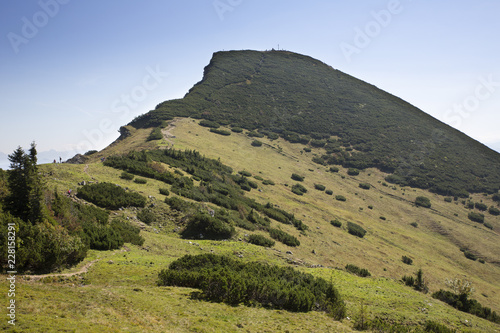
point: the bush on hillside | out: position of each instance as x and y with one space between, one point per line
202 225
336 223
223 279
353 172
355 229
299 189
220 131
146 215
340 198
319 187
245 173
127 176
481 206
283 237
164 191
407 260
476 217
494 211
464 304
297 177
256 143
365 186
260 240
140 181
267 182
110 196
155 134
363 272
209 123
423 202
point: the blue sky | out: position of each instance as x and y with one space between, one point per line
73 71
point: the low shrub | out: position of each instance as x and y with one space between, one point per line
254 134
224 279
470 255
319 187
476 217
340 198
414 224
464 304
336 223
407 260
220 131
256 143
155 134
110 196
418 283
365 186
202 225
283 237
178 204
146 215
448 199
297 177
481 206
140 181
267 182
363 272
209 123
127 176
494 211
245 173
355 229
329 192
423 202
334 169
260 240
299 189
252 184
352 172
164 191
237 129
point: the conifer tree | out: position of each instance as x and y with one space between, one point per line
25 186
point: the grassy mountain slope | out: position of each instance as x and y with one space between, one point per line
119 292
303 99
264 94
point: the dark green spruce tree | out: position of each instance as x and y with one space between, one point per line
25 186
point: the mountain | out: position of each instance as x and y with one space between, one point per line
262 201
358 125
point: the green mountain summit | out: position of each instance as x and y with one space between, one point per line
280 93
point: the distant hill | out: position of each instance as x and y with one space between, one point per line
357 125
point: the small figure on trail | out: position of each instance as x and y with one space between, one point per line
55 161
60 159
